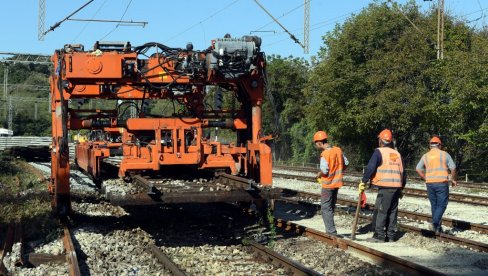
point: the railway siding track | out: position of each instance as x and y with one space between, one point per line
268 255
6 247
461 198
483 247
460 224
377 257
472 185
166 261
14 234
71 257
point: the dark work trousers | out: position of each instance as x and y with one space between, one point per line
373 221
439 197
327 204
387 206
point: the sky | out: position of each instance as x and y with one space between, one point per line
175 23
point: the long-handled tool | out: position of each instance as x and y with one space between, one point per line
358 209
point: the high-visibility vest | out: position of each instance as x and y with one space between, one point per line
389 173
335 159
435 162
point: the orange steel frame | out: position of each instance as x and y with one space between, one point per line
121 74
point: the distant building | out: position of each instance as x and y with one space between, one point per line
6 132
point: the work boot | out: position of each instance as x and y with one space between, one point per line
438 230
392 239
376 239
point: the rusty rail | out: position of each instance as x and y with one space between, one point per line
461 198
378 257
7 247
71 258
166 261
275 258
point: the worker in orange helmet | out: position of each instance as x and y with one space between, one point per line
433 168
332 165
385 169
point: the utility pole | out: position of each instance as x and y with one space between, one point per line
10 114
440 29
5 81
5 88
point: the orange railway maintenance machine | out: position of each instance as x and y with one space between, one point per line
132 76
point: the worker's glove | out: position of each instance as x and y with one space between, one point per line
319 175
319 181
361 187
401 194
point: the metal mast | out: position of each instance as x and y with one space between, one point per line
306 26
41 20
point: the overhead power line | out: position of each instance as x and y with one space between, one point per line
66 18
203 20
283 15
120 22
293 37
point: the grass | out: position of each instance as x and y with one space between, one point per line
24 197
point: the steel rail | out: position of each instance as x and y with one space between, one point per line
166 261
407 228
461 198
378 257
275 258
314 170
71 258
7 247
464 225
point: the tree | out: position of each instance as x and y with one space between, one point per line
378 71
286 78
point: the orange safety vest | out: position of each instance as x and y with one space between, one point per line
435 162
389 173
334 158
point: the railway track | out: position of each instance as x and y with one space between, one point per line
483 186
261 252
461 198
304 198
378 257
14 234
71 257
460 224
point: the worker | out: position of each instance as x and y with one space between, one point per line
332 164
433 169
385 169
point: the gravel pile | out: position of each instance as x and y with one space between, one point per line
326 259
118 187
219 260
103 209
54 248
118 252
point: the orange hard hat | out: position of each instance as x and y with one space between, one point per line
386 135
435 140
319 136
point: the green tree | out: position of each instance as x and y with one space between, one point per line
379 71
286 78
